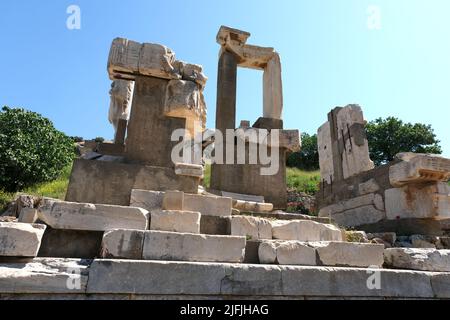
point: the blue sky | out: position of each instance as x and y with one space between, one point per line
329 56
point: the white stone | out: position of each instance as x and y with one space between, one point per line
370 186
20 239
243 197
184 100
190 170
355 158
28 215
193 247
361 201
273 89
417 202
419 168
247 206
304 230
208 205
418 259
324 145
287 253
44 275
123 59
173 200
157 61
148 200
121 96
349 254
175 221
123 244
358 216
191 72
255 228
92 217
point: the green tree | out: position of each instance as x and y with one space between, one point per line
31 149
308 157
390 136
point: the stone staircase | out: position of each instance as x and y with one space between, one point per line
160 239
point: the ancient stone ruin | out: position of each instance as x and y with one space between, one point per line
137 225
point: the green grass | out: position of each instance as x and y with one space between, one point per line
207 178
303 181
55 189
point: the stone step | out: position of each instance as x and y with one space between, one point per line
255 228
418 259
125 279
172 246
175 221
280 215
342 254
207 205
91 217
20 239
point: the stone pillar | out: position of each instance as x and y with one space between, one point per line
149 129
273 89
119 137
226 92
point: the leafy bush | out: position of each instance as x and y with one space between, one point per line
32 151
308 157
390 136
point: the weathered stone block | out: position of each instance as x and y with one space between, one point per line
303 230
349 254
124 58
248 206
417 202
91 217
111 183
173 200
44 275
287 253
358 216
193 247
418 259
370 186
28 215
255 228
189 170
243 197
419 168
20 239
156 60
148 200
175 221
208 205
123 244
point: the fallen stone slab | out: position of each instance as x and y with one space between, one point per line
418 259
287 253
349 254
123 244
193 247
243 197
304 230
45 275
189 170
247 206
251 227
175 221
20 239
280 215
419 168
91 217
358 216
208 205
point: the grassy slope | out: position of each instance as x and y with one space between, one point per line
54 189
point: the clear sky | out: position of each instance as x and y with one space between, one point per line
330 56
